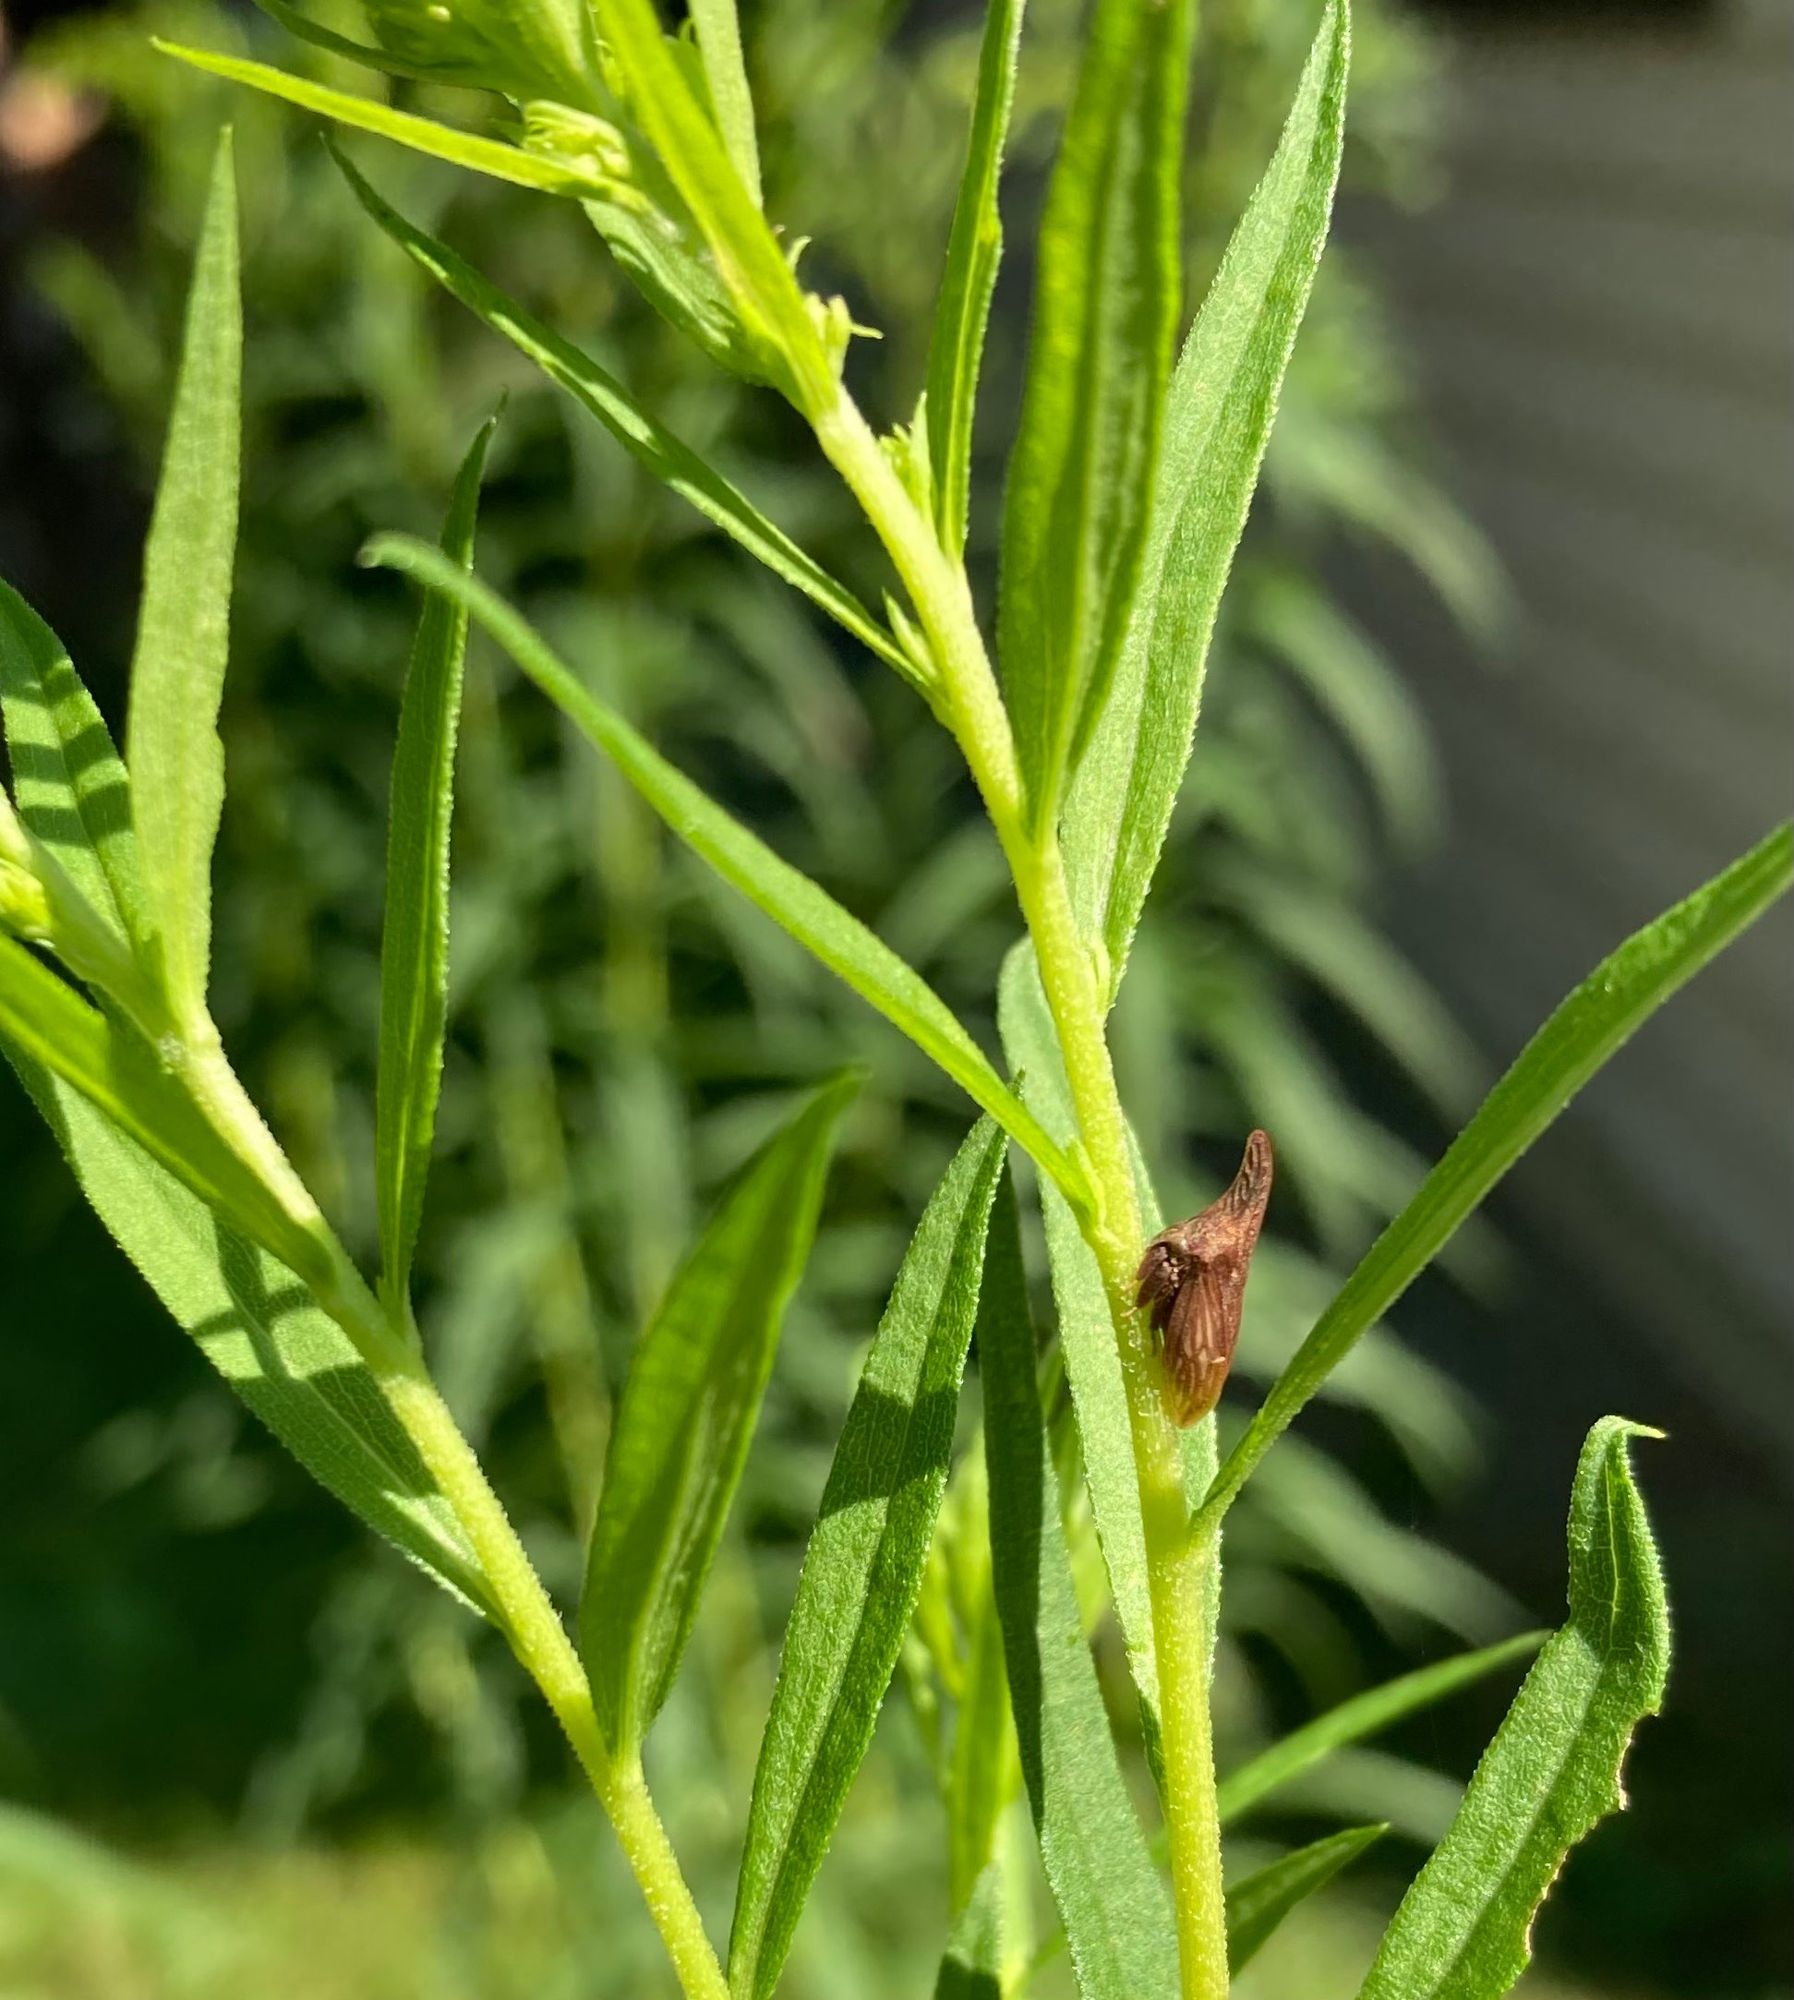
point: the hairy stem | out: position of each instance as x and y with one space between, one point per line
1179 1574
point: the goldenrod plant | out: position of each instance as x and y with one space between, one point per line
1129 483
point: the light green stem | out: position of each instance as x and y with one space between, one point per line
1178 1571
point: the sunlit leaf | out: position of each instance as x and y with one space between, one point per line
863 1566
687 1417
656 448
1463 1931
414 936
1111 1901
974 248
1597 1019
1107 300
719 41
791 899
1222 401
183 624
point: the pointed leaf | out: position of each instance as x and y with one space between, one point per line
69 785
44 1021
1256 1906
183 625
1587 1028
1218 417
725 72
686 1419
1113 1905
1105 316
371 114
1363 1715
256 1324
1553 1772
414 935
662 453
863 1567
974 249
791 899
972 1965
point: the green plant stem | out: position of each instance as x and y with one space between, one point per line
1179 1574
522 1606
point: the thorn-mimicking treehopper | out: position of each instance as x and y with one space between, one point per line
1193 1279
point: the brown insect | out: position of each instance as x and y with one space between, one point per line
1193 1278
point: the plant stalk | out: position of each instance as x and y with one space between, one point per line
1178 1571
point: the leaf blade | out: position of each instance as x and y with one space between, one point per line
1105 317
178 664
292 1366
1257 1905
1553 1771
1585 1030
671 461
1361 1716
725 72
414 933
1116 1915
974 250
791 899
1219 410
972 1964
69 782
686 1419
863 1567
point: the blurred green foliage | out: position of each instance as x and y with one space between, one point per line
622 1031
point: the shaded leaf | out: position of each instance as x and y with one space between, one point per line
1106 305
68 783
1218 417
1597 1019
1257 1905
656 448
1553 1772
1363 1715
791 899
686 1419
974 249
1110 1899
183 624
255 1323
972 1965
414 935
863 1567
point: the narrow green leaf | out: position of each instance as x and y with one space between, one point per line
972 1965
1553 1772
300 24
1218 417
686 1419
1256 1906
527 49
654 447
414 935
183 625
863 1567
255 1323
1086 1330
68 783
985 1773
974 249
791 899
44 1021
725 72
1363 1715
370 114
1106 306
750 257
1597 1019
1116 1915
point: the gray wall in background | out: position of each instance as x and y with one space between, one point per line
1602 312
